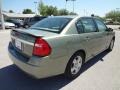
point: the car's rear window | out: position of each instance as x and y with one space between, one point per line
52 24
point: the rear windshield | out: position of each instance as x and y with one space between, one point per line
52 24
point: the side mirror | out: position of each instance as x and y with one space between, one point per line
109 29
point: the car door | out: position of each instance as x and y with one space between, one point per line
89 34
103 34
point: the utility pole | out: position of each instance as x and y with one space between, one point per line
1 15
35 7
73 4
40 5
66 5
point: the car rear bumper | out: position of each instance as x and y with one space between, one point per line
36 67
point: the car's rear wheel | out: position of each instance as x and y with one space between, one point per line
111 45
74 65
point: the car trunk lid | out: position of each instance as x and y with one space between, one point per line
23 40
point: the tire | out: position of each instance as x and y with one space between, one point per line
111 45
26 26
74 65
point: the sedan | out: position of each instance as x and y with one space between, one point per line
17 22
31 21
8 25
59 44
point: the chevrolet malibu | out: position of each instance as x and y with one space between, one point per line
59 44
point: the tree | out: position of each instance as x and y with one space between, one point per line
51 11
63 12
11 11
47 10
27 11
42 9
114 15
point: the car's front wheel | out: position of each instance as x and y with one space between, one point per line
74 65
111 45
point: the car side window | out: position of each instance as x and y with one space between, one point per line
32 19
89 25
36 19
101 26
79 27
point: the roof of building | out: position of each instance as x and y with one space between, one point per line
18 15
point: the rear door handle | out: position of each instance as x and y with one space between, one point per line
87 38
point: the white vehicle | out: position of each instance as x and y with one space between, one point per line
7 25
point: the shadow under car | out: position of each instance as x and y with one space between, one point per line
12 78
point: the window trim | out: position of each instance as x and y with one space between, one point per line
79 20
83 26
97 25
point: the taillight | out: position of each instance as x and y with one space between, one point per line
41 47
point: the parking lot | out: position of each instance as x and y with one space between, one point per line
100 73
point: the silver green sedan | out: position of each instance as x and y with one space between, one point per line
59 44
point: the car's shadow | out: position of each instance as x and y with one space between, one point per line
11 78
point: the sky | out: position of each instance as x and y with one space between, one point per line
82 7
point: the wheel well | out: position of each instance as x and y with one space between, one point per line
79 51
114 38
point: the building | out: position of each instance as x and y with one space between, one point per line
17 15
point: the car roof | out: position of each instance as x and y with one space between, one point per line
67 16
73 16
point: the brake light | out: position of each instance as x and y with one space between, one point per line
41 47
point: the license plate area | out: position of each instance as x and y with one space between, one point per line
18 44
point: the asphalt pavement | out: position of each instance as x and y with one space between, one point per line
100 73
